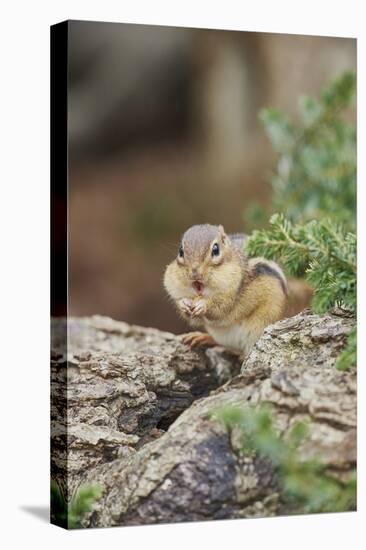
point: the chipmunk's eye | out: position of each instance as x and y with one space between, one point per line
181 252
215 250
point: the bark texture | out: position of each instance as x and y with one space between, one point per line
139 404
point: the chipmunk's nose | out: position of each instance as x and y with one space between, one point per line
197 280
195 274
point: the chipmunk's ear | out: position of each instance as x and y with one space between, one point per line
222 234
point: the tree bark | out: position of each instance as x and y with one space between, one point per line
139 417
118 387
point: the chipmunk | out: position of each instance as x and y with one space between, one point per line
215 286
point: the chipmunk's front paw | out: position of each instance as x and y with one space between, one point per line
198 309
198 339
185 305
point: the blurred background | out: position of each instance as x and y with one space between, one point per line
163 134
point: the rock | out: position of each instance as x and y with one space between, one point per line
140 427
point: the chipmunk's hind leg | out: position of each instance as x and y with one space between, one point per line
194 339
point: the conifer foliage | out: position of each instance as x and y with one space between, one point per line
314 189
315 171
322 251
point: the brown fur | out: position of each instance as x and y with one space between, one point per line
299 298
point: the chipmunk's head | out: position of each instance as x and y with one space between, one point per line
207 262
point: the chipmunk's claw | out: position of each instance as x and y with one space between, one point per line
198 309
185 306
192 309
194 339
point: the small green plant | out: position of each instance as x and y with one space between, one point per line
306 486
348 357
70 514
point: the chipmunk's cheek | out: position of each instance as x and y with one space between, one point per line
213 284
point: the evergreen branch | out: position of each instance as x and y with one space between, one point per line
316 161
315 184
317 250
